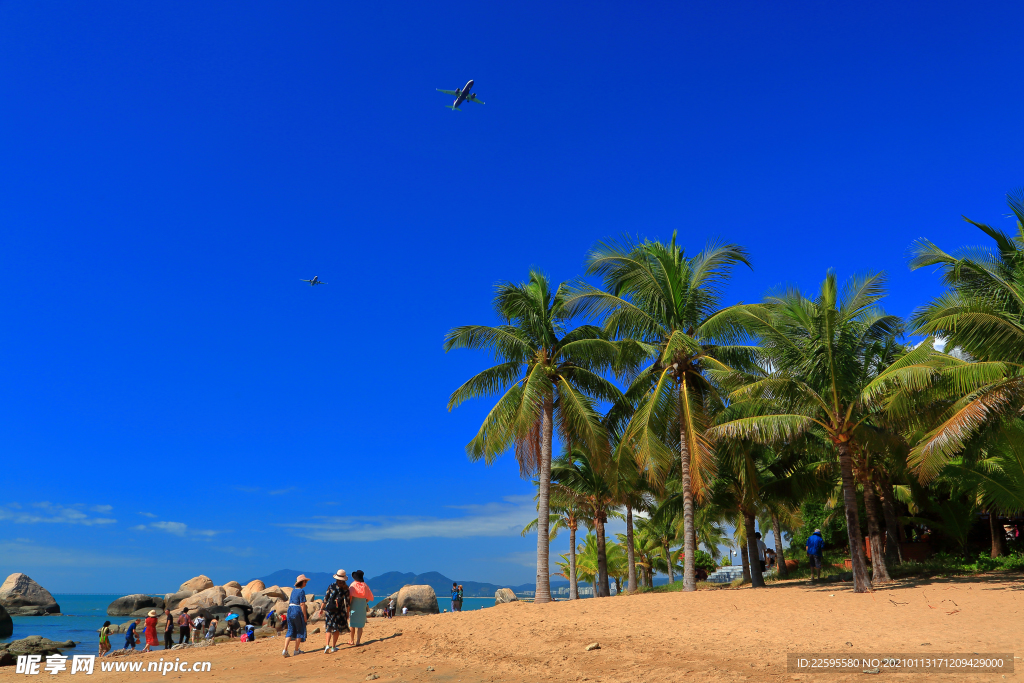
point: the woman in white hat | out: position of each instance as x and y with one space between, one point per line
150 631
297 616
335 611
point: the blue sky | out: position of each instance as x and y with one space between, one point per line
175 401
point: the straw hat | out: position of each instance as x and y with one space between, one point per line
152 613
301 579
340 575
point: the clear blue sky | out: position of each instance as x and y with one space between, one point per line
171 169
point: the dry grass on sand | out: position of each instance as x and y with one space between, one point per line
719 635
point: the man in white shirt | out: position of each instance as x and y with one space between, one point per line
761 548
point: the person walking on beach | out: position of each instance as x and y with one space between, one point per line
297 616
150 631
168 630
360 595
391 609
815 546
104 639
197 628
335 611
184 624
455 595
460 598
129 636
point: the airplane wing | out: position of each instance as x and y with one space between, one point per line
472 98
453 93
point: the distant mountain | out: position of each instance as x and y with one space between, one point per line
392 582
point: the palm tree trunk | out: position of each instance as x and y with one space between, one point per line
780 558
574 586
893 553
668 559
879 573
601 590
689 546
996 530
630 551
543 593
745 560
756 578
861 583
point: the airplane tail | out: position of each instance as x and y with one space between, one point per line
452 107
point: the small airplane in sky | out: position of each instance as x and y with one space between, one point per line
461 95
315 281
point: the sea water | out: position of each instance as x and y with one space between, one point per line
82 616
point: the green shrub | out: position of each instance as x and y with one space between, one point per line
703 560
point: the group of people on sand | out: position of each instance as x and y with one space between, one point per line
343 610
456 597
189 630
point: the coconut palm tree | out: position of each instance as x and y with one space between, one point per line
981 318
577 481
547 377
817 354
668 307
568 517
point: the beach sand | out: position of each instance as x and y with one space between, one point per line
716 635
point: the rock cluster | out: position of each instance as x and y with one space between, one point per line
23 597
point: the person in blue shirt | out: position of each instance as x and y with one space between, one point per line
455 595
815 546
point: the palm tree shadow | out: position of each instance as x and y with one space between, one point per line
1009 581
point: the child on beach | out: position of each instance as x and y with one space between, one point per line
105 638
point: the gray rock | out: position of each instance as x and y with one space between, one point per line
504 595
6 623
211 597
37 645
419 600
23 597
172 600
261 607
130 605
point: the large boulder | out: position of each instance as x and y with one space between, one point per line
6 623
23 597
37 645
419 600
233 588
197 584
252 588
211 597
504 595
172 600
129 604
274 593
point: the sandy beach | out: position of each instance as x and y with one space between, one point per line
716 635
